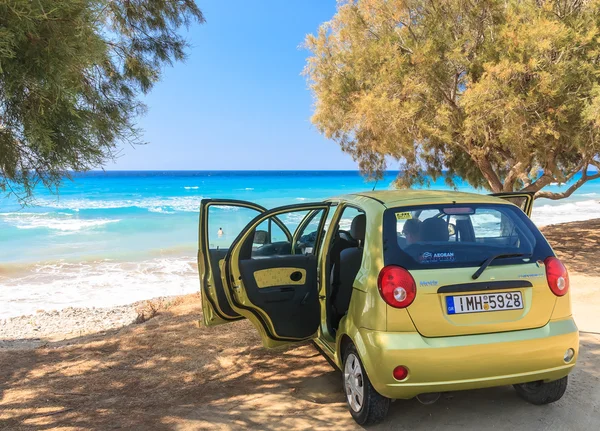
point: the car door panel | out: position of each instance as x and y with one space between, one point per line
523 200
272 277
285 300
216 257
277 293
216 308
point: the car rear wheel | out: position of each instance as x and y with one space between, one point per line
366 405
540 393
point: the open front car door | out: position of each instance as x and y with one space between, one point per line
523 200
221 221
270 272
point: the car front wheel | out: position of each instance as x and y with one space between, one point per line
540 393
366 405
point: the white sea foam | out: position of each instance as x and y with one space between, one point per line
546 214
160 210
60 222
95 284
164 204
191 187
345 224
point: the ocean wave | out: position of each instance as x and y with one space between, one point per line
225 208
563 212
345 223
191 187
161 210
63 223
172 204
56 285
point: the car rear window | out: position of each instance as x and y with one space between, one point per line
459 235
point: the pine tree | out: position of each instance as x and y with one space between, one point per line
71 73
502 93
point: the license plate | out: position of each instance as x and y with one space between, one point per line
484 302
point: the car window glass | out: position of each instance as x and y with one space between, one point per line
345 223
306 235
492 224
225 222
271 240
461 235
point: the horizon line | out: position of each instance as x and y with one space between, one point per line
223 170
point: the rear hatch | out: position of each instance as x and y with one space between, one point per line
443 246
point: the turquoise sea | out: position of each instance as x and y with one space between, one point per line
114 237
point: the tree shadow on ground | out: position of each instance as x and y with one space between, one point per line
170 374
161 374
577 245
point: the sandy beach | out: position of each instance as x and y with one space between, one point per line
96 369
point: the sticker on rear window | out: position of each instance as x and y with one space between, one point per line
403 216
440 257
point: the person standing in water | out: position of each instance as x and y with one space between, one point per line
220 232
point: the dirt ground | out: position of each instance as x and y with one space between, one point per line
169 373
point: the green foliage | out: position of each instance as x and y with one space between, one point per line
71 72
503 93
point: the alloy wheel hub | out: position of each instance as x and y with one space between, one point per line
354 383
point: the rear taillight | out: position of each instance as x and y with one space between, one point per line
557 275
396 286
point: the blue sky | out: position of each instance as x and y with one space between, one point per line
239 101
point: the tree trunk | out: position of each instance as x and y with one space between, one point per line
489 174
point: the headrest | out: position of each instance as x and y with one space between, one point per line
412 226
434 229
358 227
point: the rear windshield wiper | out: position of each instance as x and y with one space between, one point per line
490 259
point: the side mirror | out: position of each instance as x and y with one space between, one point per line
261 237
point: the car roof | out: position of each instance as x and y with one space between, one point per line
394 198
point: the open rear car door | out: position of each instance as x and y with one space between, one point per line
221 220
523 200
274 282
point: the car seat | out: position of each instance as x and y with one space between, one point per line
349 264
434 230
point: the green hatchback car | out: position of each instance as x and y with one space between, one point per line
397 289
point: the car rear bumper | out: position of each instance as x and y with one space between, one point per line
466 362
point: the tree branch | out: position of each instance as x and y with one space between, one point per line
512 176
581 181
541 182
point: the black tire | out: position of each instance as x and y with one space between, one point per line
540 393
374 407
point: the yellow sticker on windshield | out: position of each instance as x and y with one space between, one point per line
403 216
